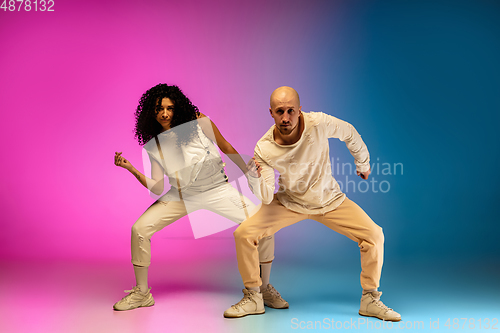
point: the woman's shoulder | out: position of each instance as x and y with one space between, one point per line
150 145
203 123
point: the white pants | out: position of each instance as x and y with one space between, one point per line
213 194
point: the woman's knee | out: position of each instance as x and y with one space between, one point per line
136 231
141 229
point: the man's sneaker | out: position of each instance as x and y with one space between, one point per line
372 306
134 299
250 304
273 299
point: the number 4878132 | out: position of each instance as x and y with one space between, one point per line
27 5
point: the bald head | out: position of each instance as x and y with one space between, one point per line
284 95
286 111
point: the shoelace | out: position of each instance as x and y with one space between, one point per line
379 303
275 292
134 290
244 300
130 294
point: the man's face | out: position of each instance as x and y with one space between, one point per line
165 112
285 111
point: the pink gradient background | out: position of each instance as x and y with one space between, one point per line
409 75
70 83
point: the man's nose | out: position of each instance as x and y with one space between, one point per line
286 117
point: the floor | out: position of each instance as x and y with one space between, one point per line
191 296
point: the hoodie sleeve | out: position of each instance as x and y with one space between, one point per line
345 132
263 187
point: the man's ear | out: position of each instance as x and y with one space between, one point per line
270 112
300 110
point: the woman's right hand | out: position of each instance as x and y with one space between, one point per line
121 161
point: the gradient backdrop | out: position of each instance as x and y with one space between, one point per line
420 81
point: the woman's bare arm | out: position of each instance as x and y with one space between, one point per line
215 135
154 184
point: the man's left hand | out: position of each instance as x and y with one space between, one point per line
365 174
254 168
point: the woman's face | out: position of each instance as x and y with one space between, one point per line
165 113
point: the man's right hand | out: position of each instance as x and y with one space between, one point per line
254 168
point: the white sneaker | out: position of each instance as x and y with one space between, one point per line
251 303
273 299
134 299
372 306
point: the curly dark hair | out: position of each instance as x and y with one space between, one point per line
146 126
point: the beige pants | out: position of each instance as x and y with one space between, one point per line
220 198
348 219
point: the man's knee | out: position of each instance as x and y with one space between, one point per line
244 233
240 232
377 236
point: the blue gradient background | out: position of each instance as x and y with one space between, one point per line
420 81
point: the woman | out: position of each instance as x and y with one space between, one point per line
180 144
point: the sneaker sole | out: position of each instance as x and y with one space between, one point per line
244 315
140 306
373 316
275 307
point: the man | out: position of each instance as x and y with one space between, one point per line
297 147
